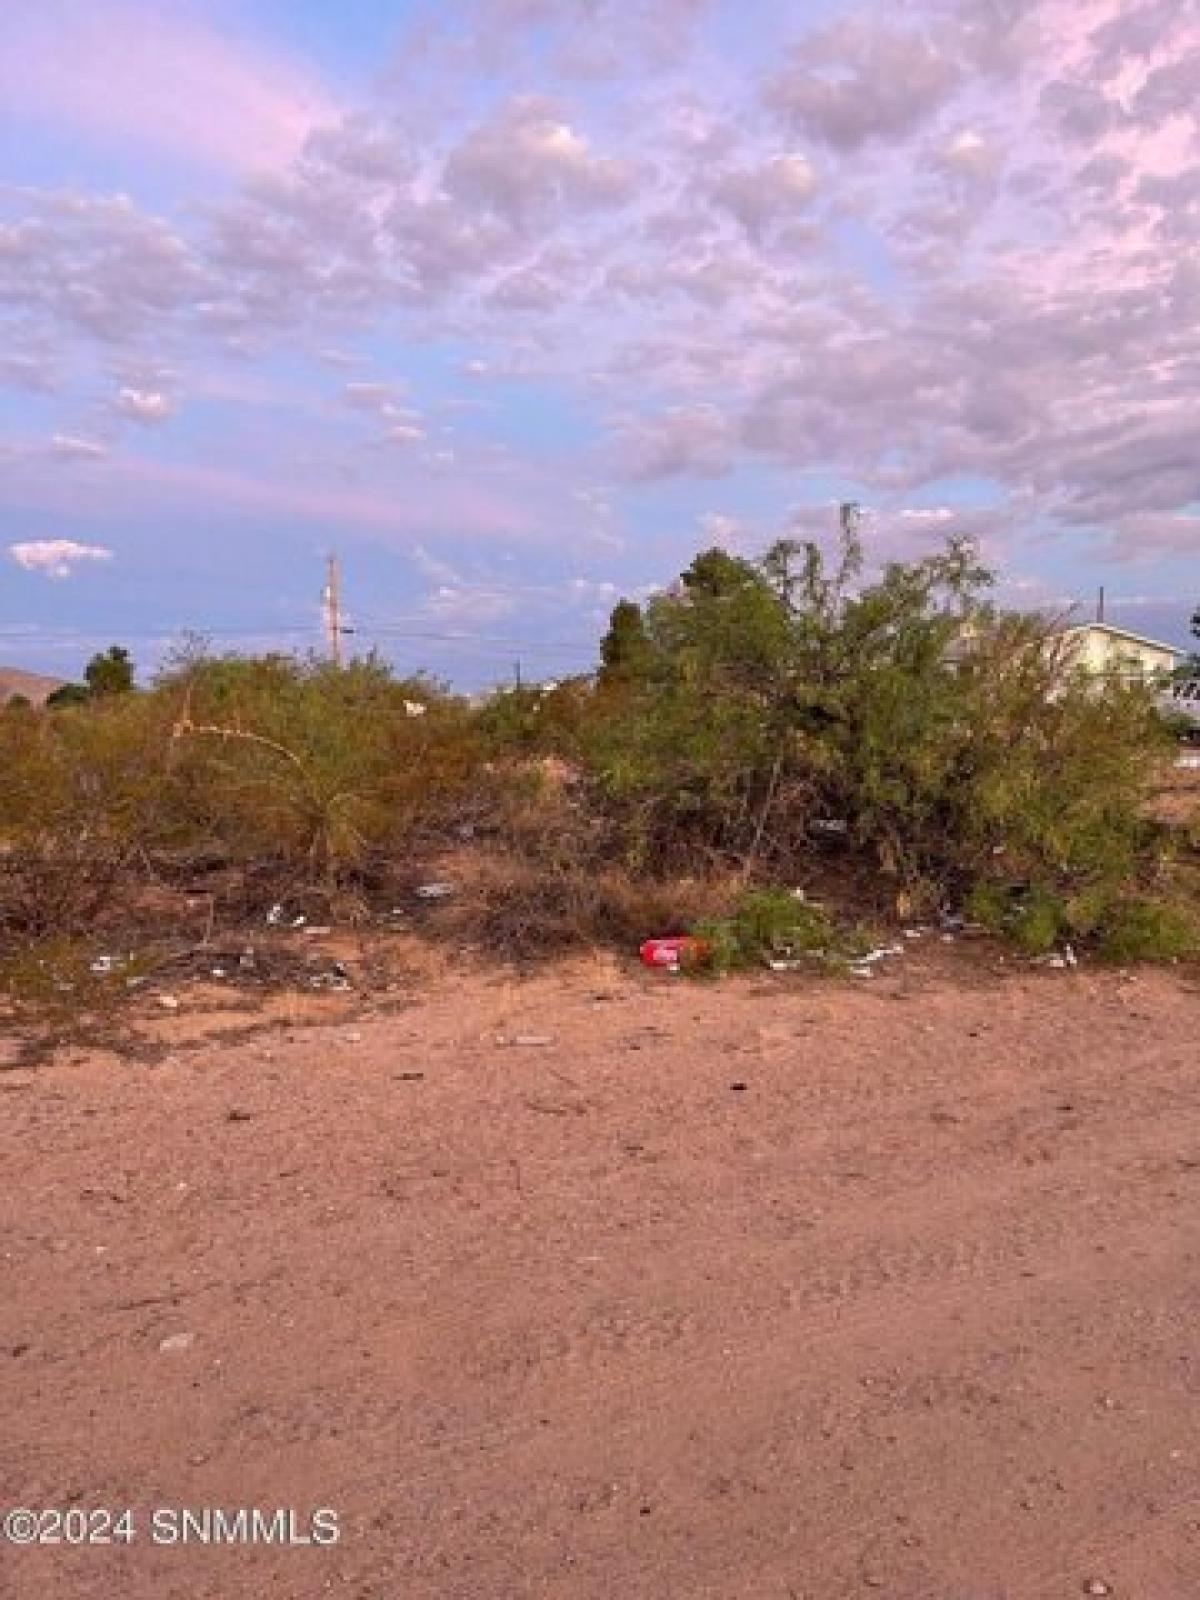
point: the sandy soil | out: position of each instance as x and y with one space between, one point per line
739 1291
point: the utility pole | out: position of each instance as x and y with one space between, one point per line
1100 605
331 606
517 673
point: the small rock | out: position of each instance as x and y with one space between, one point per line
238 1115
177 1341
533 1041
1097 1586
353 1036
169 1002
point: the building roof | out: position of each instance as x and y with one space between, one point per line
1123 633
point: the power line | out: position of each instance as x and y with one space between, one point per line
267 631
335 626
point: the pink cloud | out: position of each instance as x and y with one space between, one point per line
161 78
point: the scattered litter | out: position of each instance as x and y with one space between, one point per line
277 916
219 972
1059 961
246 961
352 1037
316 932
103 965
914 933
1096 1586
1189 761
435 891
415 708
831 825
337 981
169 1002
864 966
789 965
177 1341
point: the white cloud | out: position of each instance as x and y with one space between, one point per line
758 196
56 558
719 529
528 159
681 439
369 396
72 448
147 406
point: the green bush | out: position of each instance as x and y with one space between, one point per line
1147 930
772 924
945 738
759 722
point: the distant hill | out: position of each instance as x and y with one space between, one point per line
35 686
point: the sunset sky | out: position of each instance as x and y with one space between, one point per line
515 304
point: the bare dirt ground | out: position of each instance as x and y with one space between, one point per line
743 1290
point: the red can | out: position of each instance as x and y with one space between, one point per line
682 951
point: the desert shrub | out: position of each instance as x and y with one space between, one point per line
945 737
305 773
754 716
81 800
1147 930
318 768
1119 926
773 924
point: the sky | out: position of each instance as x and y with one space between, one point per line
517 304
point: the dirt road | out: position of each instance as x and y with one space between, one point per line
737 1291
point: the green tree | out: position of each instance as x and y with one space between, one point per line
715 573
624 650
110 671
